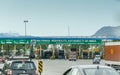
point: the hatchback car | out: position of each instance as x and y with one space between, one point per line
90 70
22 68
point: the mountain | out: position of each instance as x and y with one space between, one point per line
9 35
13 35
108 31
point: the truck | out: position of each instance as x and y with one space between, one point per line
73 54
112 54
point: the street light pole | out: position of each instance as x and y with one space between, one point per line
25 21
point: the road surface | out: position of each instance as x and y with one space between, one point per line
57 67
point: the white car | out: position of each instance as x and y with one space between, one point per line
90 70
97 57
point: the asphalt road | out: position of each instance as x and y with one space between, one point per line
57 67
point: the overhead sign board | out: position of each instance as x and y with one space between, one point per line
68 41
14 41
50 41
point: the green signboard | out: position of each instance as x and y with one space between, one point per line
68 41
14 41
50 42
21 42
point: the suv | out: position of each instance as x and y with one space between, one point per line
22 68
97 59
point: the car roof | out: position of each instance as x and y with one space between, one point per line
90 66
17 61
18 57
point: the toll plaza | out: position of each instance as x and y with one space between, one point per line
53 47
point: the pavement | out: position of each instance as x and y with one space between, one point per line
58 66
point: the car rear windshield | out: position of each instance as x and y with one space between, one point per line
22 65
101 71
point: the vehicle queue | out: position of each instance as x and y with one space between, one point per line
22 65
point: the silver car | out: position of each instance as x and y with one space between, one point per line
90 70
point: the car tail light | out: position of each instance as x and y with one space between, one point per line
9 72
36 72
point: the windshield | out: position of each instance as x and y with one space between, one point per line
101 71
97 57
22 65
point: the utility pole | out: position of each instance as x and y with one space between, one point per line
68 30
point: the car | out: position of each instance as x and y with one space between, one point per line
97 57
2 59
1 71
32 56
73 54
21 67
90 70
96 61
5 68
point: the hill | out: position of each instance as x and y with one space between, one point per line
108 31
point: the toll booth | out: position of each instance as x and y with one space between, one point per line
85 54
47 54
60 54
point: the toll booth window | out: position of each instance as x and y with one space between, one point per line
73 49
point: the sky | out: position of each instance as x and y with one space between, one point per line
58 17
